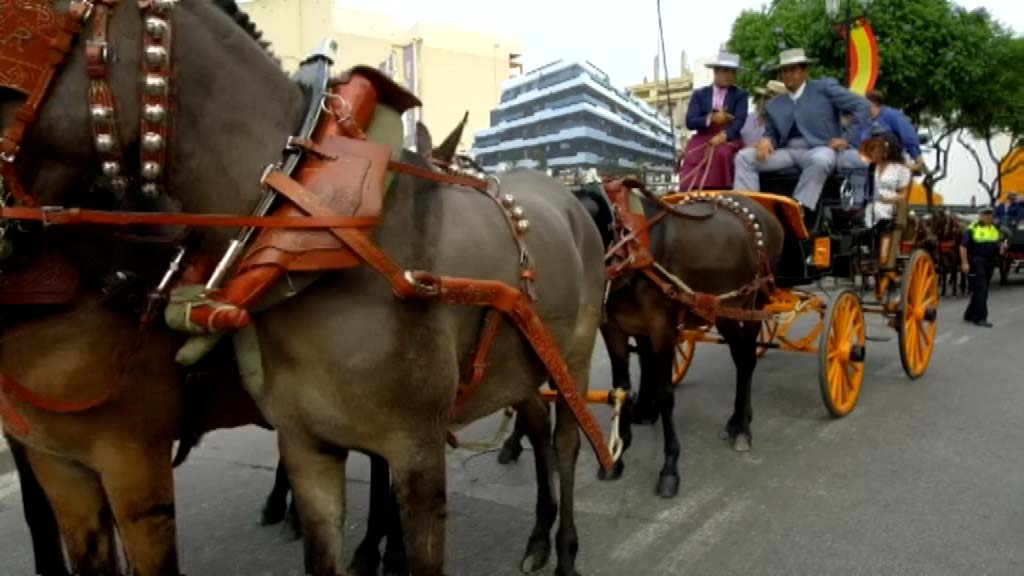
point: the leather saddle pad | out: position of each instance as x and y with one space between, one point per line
351 182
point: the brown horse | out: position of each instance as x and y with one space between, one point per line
948 232
346 365
112 461
638 308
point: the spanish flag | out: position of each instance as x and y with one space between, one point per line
863 57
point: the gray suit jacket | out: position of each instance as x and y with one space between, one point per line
816 114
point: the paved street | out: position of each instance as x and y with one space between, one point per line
924 478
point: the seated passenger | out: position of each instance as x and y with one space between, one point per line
802 130
888 191
881 118
717 113
753 130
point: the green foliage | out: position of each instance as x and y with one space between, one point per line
931 51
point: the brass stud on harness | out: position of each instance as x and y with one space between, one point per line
156 27
523 226
151 170
155 85
154 113
518 213
508 200
101 113
104 143
152 142
164 6
111 169
150 190
156 56
118 184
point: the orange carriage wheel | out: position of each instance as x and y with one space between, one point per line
918 312
769 328
686 345
841 354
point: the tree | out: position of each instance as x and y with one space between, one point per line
932 56
997 107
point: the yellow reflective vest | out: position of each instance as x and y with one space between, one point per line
983 234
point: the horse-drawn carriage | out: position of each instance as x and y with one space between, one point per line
1012 258
842 248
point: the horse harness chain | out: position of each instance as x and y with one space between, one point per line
43 41
629 255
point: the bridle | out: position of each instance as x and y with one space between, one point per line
36 41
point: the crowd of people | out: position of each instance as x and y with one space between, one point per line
819 127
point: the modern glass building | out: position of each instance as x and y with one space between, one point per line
567 116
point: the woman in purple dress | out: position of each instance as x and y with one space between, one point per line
717 114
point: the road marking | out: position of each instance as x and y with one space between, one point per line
704 538
9 485
963 339
943 337
667 520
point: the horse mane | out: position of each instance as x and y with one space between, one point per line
240 17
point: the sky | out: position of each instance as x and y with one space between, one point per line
619 36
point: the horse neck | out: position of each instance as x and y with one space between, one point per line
235 109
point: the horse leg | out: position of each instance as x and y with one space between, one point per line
742 340
537 426
84 516
513 445
42 524
617 343
567 435
419 483
659 365
317 475
140 485
383 521
276 505
647 410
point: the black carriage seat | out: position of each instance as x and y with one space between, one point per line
831 219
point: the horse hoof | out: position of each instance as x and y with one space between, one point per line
668 485
364 562
727 434
537 554
741 443
272 514
509 453
566 572
614 474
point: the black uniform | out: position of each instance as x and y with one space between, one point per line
982 243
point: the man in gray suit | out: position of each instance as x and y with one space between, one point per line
802 129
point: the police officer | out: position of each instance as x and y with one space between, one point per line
979 253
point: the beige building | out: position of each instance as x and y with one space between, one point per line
658 94
451 69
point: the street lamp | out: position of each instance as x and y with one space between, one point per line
832 11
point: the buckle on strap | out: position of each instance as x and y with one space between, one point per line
8 157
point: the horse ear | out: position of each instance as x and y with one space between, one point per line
446 151
424 142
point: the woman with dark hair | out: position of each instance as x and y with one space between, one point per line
890 179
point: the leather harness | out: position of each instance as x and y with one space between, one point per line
46 42
631 254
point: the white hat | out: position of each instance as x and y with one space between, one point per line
792 57
726 60
773 88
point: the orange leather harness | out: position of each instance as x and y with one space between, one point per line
48 42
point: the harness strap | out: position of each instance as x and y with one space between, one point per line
473 372
470 292
54 216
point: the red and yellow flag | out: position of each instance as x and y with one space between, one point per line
863 57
